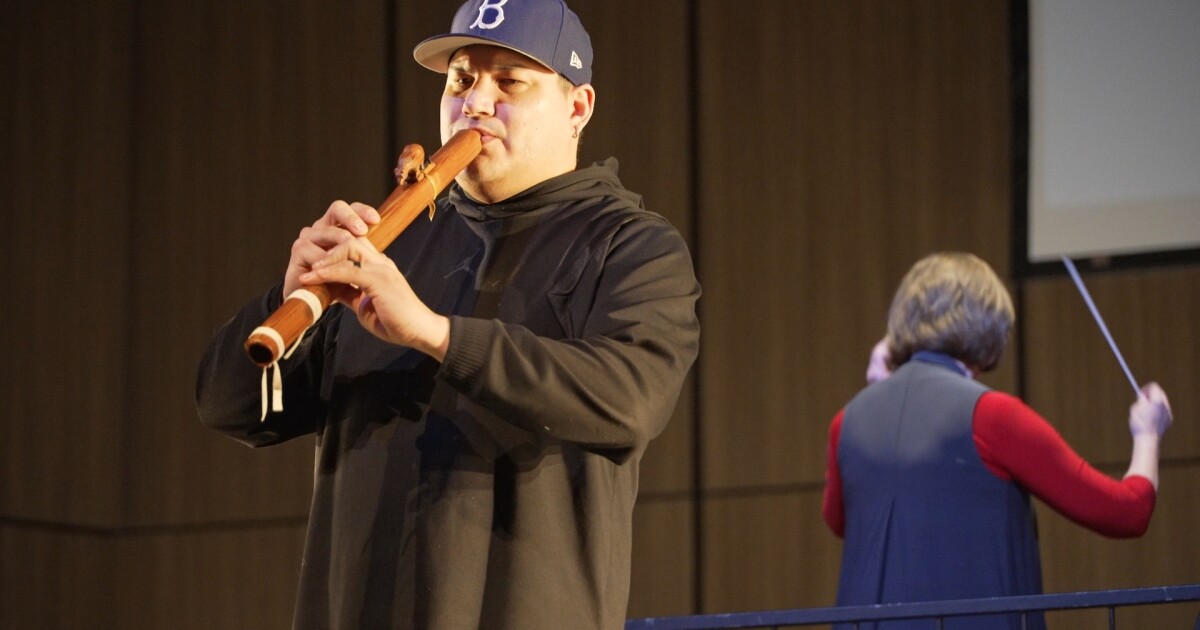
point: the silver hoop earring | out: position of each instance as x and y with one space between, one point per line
576 134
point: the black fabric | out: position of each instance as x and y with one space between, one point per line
494 490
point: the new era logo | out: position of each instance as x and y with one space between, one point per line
575 61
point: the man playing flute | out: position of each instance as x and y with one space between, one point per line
483 393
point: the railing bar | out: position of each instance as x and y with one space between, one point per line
941 623
1112 618
855 616
1024 621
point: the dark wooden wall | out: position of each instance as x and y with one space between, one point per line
159 157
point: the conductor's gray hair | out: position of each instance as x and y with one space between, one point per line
953 303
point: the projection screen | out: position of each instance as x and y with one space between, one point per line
1113 129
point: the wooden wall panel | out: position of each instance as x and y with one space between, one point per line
840 143
768 551
204 579
417 91
251 120
55 579
642 107
1076 382
1075 559
74 578
64 196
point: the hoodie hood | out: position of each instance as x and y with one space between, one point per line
598 180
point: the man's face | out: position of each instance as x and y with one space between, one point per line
526 115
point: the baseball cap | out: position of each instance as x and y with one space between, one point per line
544 30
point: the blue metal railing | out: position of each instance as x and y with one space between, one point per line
939 610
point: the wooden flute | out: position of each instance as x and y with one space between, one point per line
418 186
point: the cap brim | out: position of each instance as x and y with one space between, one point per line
434 53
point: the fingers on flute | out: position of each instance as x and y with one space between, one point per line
346 258
318 239
341 275
365 212
344 293
346 216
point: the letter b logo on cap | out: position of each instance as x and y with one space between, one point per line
498 5
546 31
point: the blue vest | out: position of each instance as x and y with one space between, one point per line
925 518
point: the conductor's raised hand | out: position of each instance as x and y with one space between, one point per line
878 365
371 285
341 222
1150 414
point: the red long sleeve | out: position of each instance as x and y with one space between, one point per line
831 503
1018 444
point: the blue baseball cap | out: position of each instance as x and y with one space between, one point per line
543 30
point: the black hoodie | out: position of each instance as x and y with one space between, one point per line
495 490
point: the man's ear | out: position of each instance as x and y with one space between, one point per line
583 102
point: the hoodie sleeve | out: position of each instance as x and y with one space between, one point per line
229 394
613 387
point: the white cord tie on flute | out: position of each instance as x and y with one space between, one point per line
429 177
272 377
271 373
